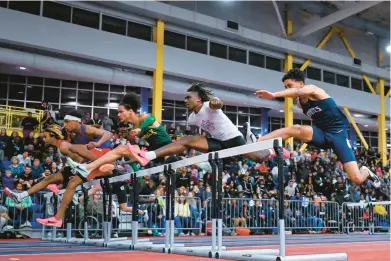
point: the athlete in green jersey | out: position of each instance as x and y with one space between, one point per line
145 127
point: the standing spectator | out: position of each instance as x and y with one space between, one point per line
26 179
107 123
14 147
171 131
29 124
3 142
47 120
95 121
44 106
29 140
87 119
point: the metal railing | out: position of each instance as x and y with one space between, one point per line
260 216
11 116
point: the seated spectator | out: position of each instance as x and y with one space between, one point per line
47 164
50 152
22 212
24 159
16 168
37 170
8 180
107 123
54 168
29 140
26 179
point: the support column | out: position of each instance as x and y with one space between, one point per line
144 99
353 137
288 106
157 93
381 123
265 121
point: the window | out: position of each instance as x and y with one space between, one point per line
35 81
3 77
3 4
115 99
3 92
139 31
86 85
68 97
69 84
273 63
168 114
356 84
257 111
342 80
180 115
237 55
84 110
16 92
84 98
16 104
100 111
328 77
255 121
34 93
52 82
232 117
52 94
116 88
133 89
57 11
31 7
242 119
101 87
174 39
100 99
85 18
113 25
196 45
314 73
33 105
296 65
366 88
256 59
231 108
17 79
386 89
218 50
180 104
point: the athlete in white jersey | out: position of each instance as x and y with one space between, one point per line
206 114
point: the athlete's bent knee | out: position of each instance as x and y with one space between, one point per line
302 132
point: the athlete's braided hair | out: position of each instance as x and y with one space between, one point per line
203 93
55 131
131 101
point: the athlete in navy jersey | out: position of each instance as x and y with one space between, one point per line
329 125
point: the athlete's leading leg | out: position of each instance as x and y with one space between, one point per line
18 197
199 143
300 132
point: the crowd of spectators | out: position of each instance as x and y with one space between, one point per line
250 188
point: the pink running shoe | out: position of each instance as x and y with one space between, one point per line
139 155
286 154
53 188
50 222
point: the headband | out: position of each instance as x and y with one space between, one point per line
72 118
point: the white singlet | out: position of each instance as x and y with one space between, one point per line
215 122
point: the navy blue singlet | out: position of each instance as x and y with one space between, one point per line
83 139
325 115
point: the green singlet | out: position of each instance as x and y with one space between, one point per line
156 137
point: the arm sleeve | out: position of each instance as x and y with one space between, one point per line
147 122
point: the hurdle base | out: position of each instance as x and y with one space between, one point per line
203 251
128 243
101 242
247 254
161 248
315 257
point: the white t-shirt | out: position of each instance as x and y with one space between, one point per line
215 122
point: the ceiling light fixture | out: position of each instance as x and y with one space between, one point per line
22 68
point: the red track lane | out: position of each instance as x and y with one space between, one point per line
379 251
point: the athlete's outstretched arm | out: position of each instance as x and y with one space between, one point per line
306 90
105 136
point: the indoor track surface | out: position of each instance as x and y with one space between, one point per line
359 247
